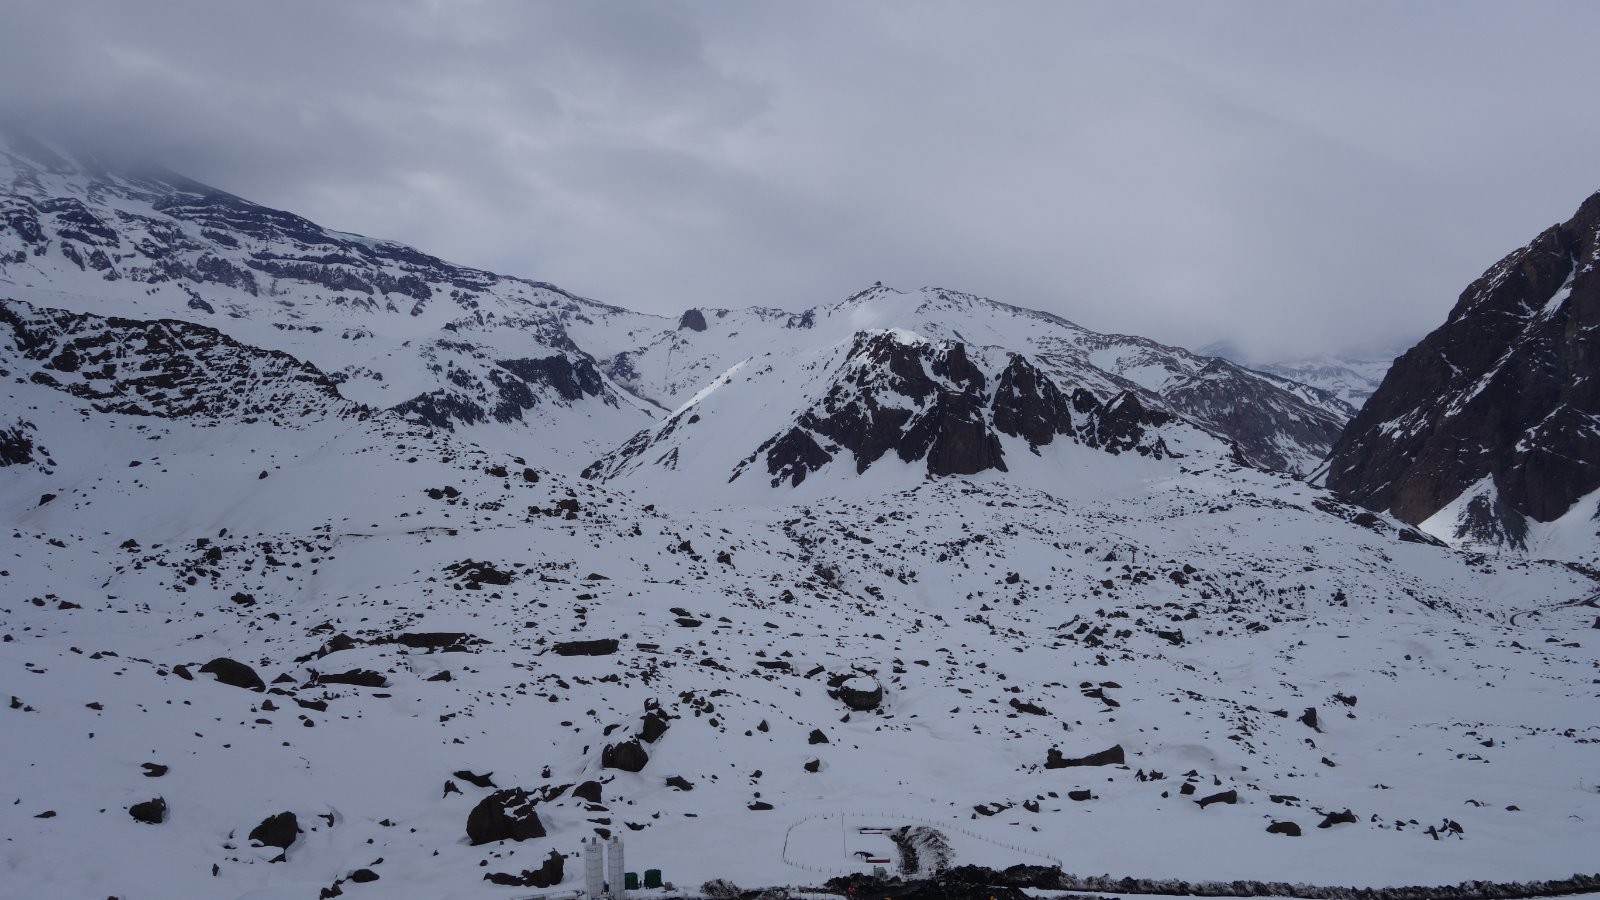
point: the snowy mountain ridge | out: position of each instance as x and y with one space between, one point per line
274 626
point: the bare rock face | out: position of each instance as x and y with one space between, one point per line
506 815
1506 390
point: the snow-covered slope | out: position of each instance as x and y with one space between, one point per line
423 615
272 626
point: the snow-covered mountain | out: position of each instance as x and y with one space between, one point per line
792 364
1488 431
272 627
394 327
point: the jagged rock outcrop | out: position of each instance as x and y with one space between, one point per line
165 369
506 815
1502 400
929 402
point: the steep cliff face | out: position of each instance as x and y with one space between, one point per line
1501 403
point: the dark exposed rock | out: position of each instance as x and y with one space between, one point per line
860 693
1339 818
589 790
598 647
1506 389
1289 829
1028 405
546 876
484 781
1031 709
153 770
357 677
169 369
434 640
279 831
1111 757
813 766
363 876
1309 719
1228 796
692 320
151 812
656 724
504 815
233 673
629 756
817 737
681 783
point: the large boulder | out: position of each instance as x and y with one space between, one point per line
506 815
277 831
234 673
150 812
861 693
598 647
1111 757
629 756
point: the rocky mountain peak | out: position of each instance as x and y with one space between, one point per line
1501 402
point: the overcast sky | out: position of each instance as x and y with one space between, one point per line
1298 177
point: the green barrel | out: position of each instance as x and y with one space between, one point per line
630 880
652 878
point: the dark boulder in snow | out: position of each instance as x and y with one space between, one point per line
1112 757
1339 818
1288 829
600 647
817 737
547 875
151 812
629 756
656 724
504 816
485 780
589 790
277 831
861 693
1229 796
357 677
234 673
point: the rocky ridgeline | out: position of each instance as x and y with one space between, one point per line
1506 390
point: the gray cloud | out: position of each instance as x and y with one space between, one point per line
1296 177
